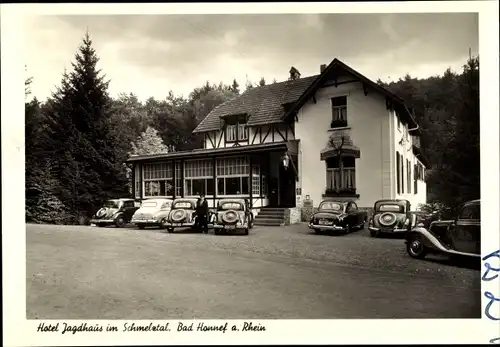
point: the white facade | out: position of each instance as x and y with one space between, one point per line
372 128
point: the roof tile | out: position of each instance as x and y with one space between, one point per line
263 105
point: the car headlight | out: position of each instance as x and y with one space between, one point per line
153 217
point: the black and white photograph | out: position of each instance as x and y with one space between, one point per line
217 172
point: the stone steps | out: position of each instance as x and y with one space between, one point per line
270 216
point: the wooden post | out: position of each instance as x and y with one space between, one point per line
182 178
214 174
174 178
141 182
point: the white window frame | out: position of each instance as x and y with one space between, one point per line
339 113
256 180
178 179
137 181
242 132
231 131
164 174
197 169
226 169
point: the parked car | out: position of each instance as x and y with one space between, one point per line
183 214
458 237
153 212
115 212
337 216
391 216
233 215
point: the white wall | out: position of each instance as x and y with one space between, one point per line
369 129
406 151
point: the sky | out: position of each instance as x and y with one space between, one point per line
150 55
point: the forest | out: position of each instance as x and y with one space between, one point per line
76 141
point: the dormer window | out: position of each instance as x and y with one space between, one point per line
236 130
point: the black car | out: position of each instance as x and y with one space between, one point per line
115 212
458 237
391 216
337 216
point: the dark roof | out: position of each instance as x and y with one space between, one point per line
338 66
262 105
420 155
197 153
265 105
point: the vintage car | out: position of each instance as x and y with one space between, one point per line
460 237
153 212
183 214
115 212
232 215
337 216
391 216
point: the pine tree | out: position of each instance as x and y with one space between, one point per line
235 87
262 82
149 142
89 169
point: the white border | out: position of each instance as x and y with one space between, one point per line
19 331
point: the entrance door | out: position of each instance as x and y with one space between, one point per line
287 187
273 192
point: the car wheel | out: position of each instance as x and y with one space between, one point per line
416 248
141 226
120 222
170 230
246 231
216 232
163 223
100 225
348 229
374 233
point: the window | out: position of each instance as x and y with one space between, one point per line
233 176
236 131
178 179
339 112
158 179
231 206
341 179
198 177
255 180
402 174
472 211
128 204
137 181
408 175
398 172
389 208
415 179
352 207
331 206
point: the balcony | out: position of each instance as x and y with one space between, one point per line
341 182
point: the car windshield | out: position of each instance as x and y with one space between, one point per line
390 208
331 206
183 204
149 204
230 206
111 204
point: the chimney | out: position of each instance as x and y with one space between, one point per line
322 68
294 74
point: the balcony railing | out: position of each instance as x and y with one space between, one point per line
338 180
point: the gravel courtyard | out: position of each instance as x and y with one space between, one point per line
78 272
